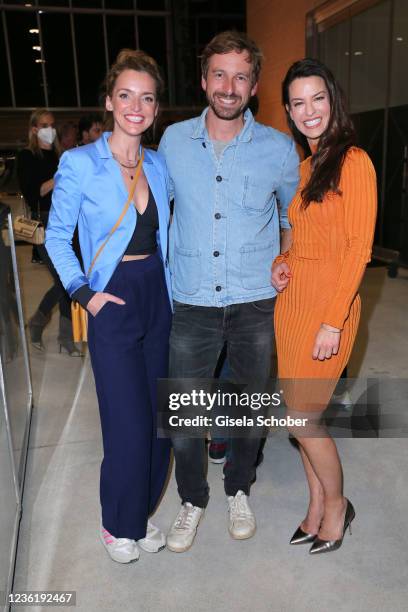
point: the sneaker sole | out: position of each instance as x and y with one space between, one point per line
217 461
150 550
242 537
180 550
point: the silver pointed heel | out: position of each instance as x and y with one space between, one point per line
301 537
323 546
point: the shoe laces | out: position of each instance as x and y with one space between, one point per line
239 507
186 517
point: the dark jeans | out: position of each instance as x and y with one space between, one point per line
197 337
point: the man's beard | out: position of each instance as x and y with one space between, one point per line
223 112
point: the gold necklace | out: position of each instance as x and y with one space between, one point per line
124 167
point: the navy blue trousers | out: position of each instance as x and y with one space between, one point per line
129 348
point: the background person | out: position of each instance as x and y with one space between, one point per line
333 219
68 135
36 166
126 295
89 128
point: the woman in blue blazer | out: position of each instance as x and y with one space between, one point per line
127 295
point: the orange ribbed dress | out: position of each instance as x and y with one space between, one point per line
331 246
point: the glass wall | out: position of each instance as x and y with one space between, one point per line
56 52
367 49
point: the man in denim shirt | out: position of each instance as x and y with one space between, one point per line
226 174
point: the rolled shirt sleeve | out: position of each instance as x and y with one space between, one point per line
288 184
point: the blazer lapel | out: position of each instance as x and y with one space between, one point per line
160 196
110 165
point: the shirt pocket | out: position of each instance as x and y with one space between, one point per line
187 270
256 195
256 260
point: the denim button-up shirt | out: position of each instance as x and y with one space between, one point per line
225 230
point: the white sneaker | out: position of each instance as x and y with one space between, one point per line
242 523
154 539
183 531
121 550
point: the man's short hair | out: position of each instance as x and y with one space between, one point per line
86 122
228 41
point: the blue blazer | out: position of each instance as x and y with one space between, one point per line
89 190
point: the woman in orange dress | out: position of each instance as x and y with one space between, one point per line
318 308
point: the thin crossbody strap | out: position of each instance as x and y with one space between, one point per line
123 213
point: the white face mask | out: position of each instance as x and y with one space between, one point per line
47 134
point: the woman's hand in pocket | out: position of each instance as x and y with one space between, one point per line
98 301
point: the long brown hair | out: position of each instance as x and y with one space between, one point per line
33 142
334 143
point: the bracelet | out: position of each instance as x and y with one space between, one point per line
330 330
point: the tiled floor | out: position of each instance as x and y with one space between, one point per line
59 548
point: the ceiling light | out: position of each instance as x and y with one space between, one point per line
358 53
34 31
36 48
399 38
40 61
347 53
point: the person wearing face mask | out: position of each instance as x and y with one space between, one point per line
36 166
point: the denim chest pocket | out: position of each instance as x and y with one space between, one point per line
187 270
256 194
256 260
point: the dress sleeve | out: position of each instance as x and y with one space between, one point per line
359 194
66 204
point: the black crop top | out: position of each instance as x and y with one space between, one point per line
142 242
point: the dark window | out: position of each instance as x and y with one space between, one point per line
151 5
27 74
121 34
369 56
5 93
18 2
59 60
152 39
231 23
119 4
207 28
91 57
399 45
54 3
87 3
334 51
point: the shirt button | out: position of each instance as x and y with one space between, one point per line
216 253
217 215
218 288
218 179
